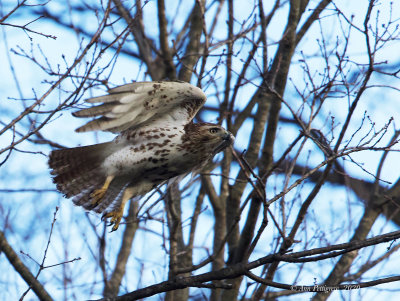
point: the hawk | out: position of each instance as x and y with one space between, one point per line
157 140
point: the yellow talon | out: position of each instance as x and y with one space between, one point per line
116 214
98 194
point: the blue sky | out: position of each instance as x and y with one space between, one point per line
27 211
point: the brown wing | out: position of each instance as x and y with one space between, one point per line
132 105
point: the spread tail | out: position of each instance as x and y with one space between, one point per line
77 171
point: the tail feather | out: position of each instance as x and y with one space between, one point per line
65 159
78 173
77 169
93 179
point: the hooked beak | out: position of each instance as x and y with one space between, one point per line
229 137
227 140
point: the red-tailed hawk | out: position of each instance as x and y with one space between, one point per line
157 141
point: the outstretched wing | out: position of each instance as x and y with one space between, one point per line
136 104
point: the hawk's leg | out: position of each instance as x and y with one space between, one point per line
98 194
116 214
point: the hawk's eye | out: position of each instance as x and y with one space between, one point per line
214 130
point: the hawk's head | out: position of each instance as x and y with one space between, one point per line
211 136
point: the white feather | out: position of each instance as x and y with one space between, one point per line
138 103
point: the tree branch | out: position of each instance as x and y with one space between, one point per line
22 270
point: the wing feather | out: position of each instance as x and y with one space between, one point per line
134 104
97 110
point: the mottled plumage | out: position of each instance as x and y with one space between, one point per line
157 141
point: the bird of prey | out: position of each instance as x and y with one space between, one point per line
157 140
